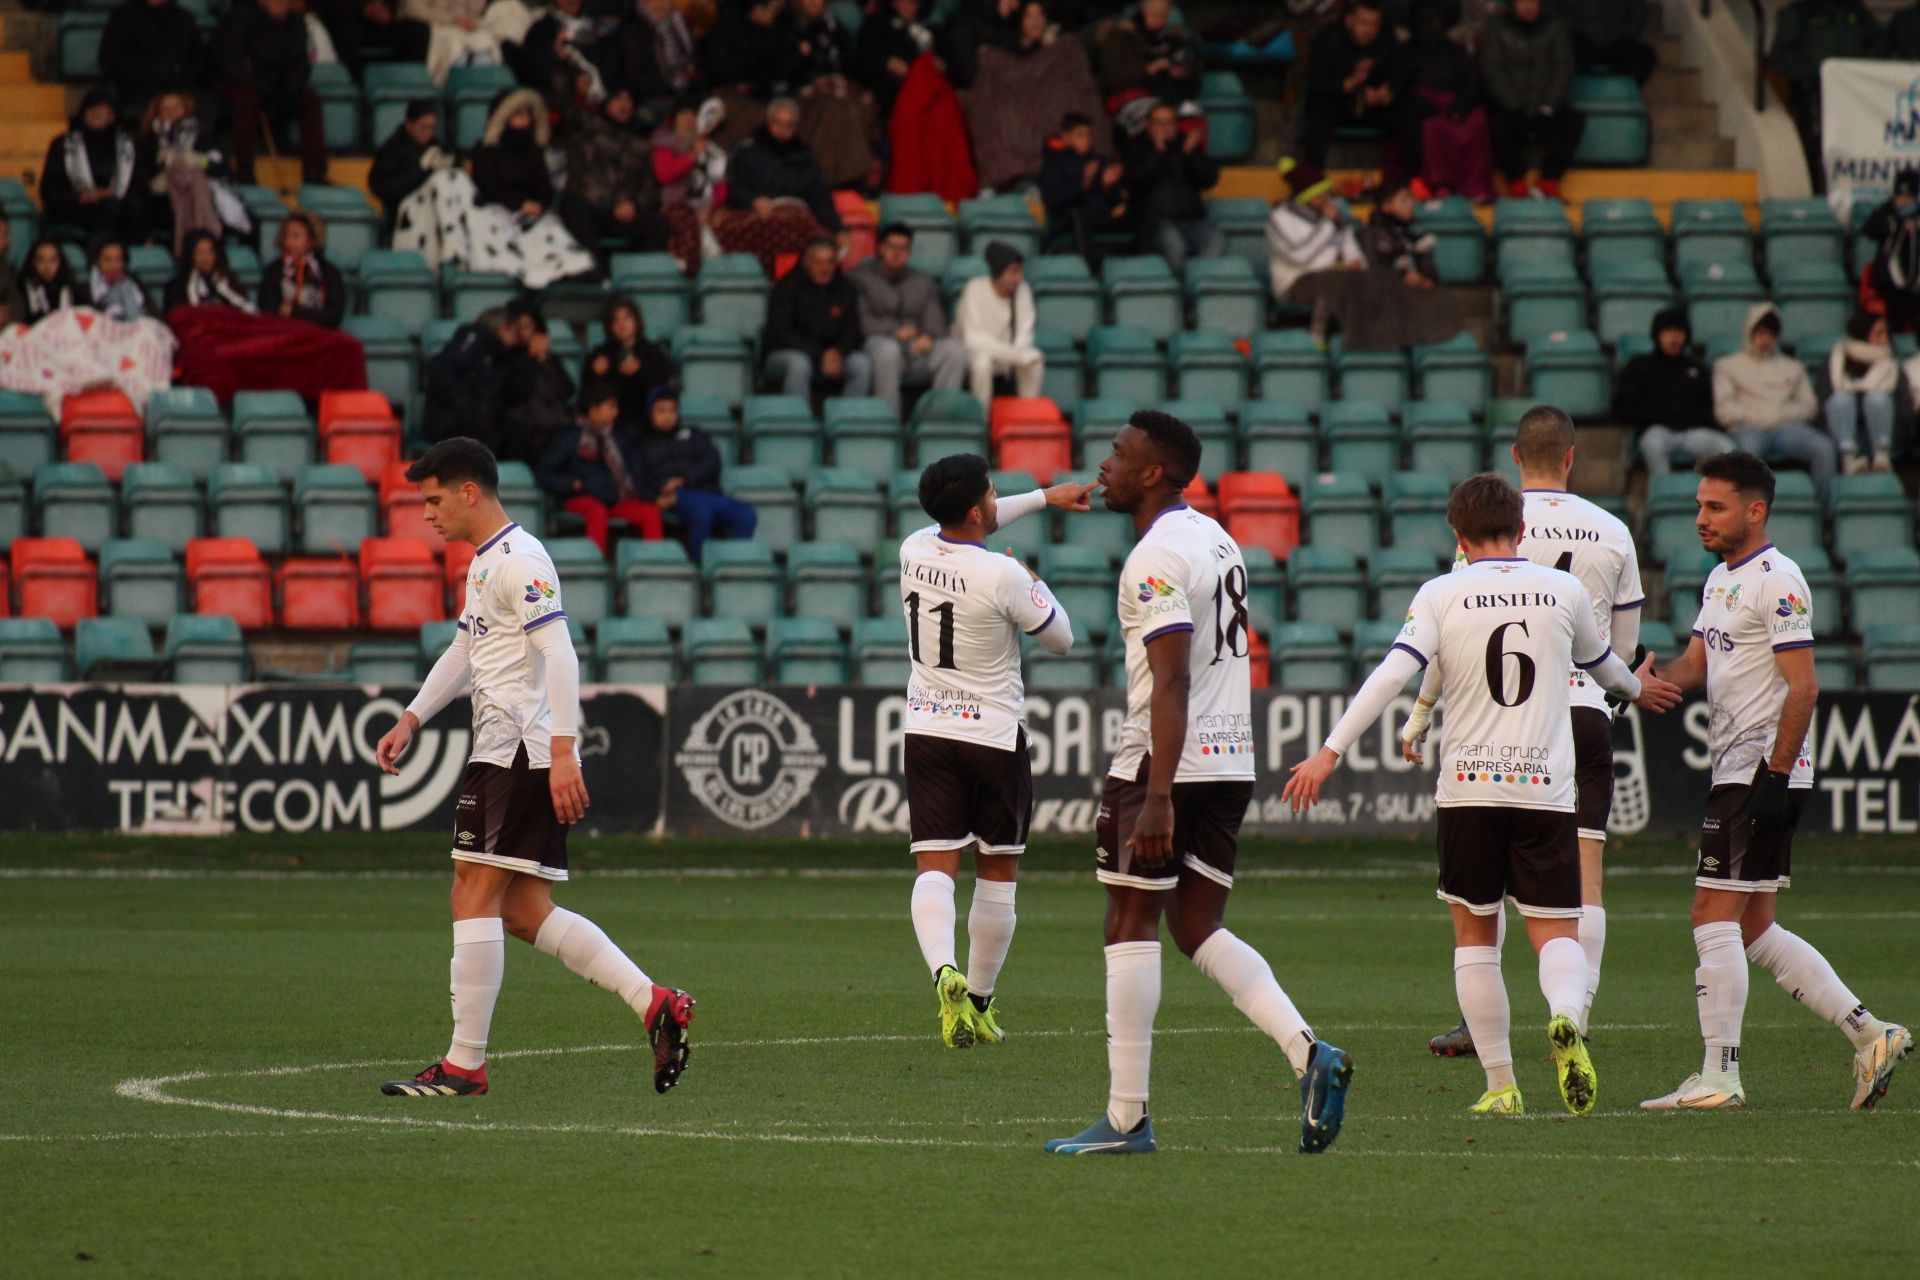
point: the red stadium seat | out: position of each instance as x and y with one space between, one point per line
402 509
1043 448
1009 411
227 575
104 428
6 593
861 230
56 580
1260 659
1260 510
1200 498
459 559
319 593
358 428
404 583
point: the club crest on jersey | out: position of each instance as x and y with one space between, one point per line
1791 606
1733 595
536 591
479 579
1154 587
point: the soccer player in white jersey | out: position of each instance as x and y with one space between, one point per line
1565 531
522 786
1752 648
1178 789
969 779
1501 631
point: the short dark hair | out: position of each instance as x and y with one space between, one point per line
893 229
598 391
1544 436
1742 470
1770 321
953 486
1074 120
1485 508
1179 446
457 460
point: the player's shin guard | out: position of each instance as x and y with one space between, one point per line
989 933
1563 978
1483 999
1133 997
1593 941
1248 980
932 907
479 964
583 947
1720 990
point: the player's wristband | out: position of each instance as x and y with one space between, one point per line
1617 703
1418 720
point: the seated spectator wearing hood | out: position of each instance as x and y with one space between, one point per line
1080 188
1310 231
261 68
905 325
110 289
777 197
1353 77
1863 377
1526 59
510 164
204 279
1666 396
46 283
610 188
682 464
595 470
301 284
634 365
994 322
410 155
1167 178
148 48
92 180
813 327
1894 228
1606 35
462 379
1396 302
13 305
1762 397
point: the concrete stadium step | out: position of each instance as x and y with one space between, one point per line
1660 187
15 67
23 145
31 101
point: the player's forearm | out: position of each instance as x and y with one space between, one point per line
447 681
1615 676
1056 633
1021 505
1370 703
1430 684
1624 635
563 680
1169 732
1796 717
1686 671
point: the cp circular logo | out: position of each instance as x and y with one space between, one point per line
750 759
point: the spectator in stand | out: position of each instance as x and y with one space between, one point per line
13 307
148 48
635 366
1167 177
360 28
657 56
1353 78
692 172
1080 188
610 188
536 392
744 52
301 284
110 289
1805 34
261 66
814 47
188 181
1894 228
458 34
409 156
1020 89
594 468
463 379
1606 35
682 465
1310 231
1762 397
891 39
813 327
994 322
1396 301
1863 377
837 117
1526 59
1151 55
777 197
91 182
510 164
1443 134
205 279
901 315
46 285
570 50
1666 396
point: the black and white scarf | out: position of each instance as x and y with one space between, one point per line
302 280
40 301
205 290
80 168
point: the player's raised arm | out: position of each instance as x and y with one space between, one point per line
447 681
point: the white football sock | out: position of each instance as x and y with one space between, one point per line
1563 978
1133 997
1483 999
479 964
1247 978
989 933
583 947
932 906
1720 990
1593 941
1804 974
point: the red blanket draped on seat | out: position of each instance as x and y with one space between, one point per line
227 350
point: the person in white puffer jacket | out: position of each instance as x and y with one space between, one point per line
1763 398
1864 376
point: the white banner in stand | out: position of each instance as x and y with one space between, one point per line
1869 129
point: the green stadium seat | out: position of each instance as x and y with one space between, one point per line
436 638
1005 218
1823 579
1277 435
936 236
1800 229
151 266
1891 656
1219 442
635 651
471 93
1142 293
1503 423
714 361
1127 364
1527 230
469 293
1686 576
1626 297
387 89
73 500
1459 241
1114 661
393 361
268 211
114 650
743 582
31 651
160 500
1568 368
1341 512
1833 667
79 35
658 580
1288 366
1065 297
1869 511
845 505
903 501
880 658
206 649
1456 372
1243 221
27 434
1669 515
711 415
1416 504
1360 440
1028 536
782 433
20 210
1084 582
1710 231
1226 296
384 662
1540 297
586 579
1798 520
522 496
1394 574
274 430
806 651
141 578
14 510
1371 642
1443 439
353 228
1075 671
655 283
721 651
732 289
1104 531
336 509
339 97
1096 421
863 432
1374 377
771 493
1266 591
1618 129
247 500
959 270
1309 657
398 285
826 580
1229 110
1883 588
1327 587
1815 298
1614 232
185 426
1063 380
1210 368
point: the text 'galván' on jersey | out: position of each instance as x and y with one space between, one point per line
512 591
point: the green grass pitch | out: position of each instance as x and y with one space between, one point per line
188 1071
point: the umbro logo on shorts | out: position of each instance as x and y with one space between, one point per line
465 837
1710 864
1101 855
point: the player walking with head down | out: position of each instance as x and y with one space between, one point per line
522 787
1752 648
1178 789
1501 632
969 778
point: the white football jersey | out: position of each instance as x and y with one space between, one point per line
966 607
1500 631
1749 611
1186 574
511 590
